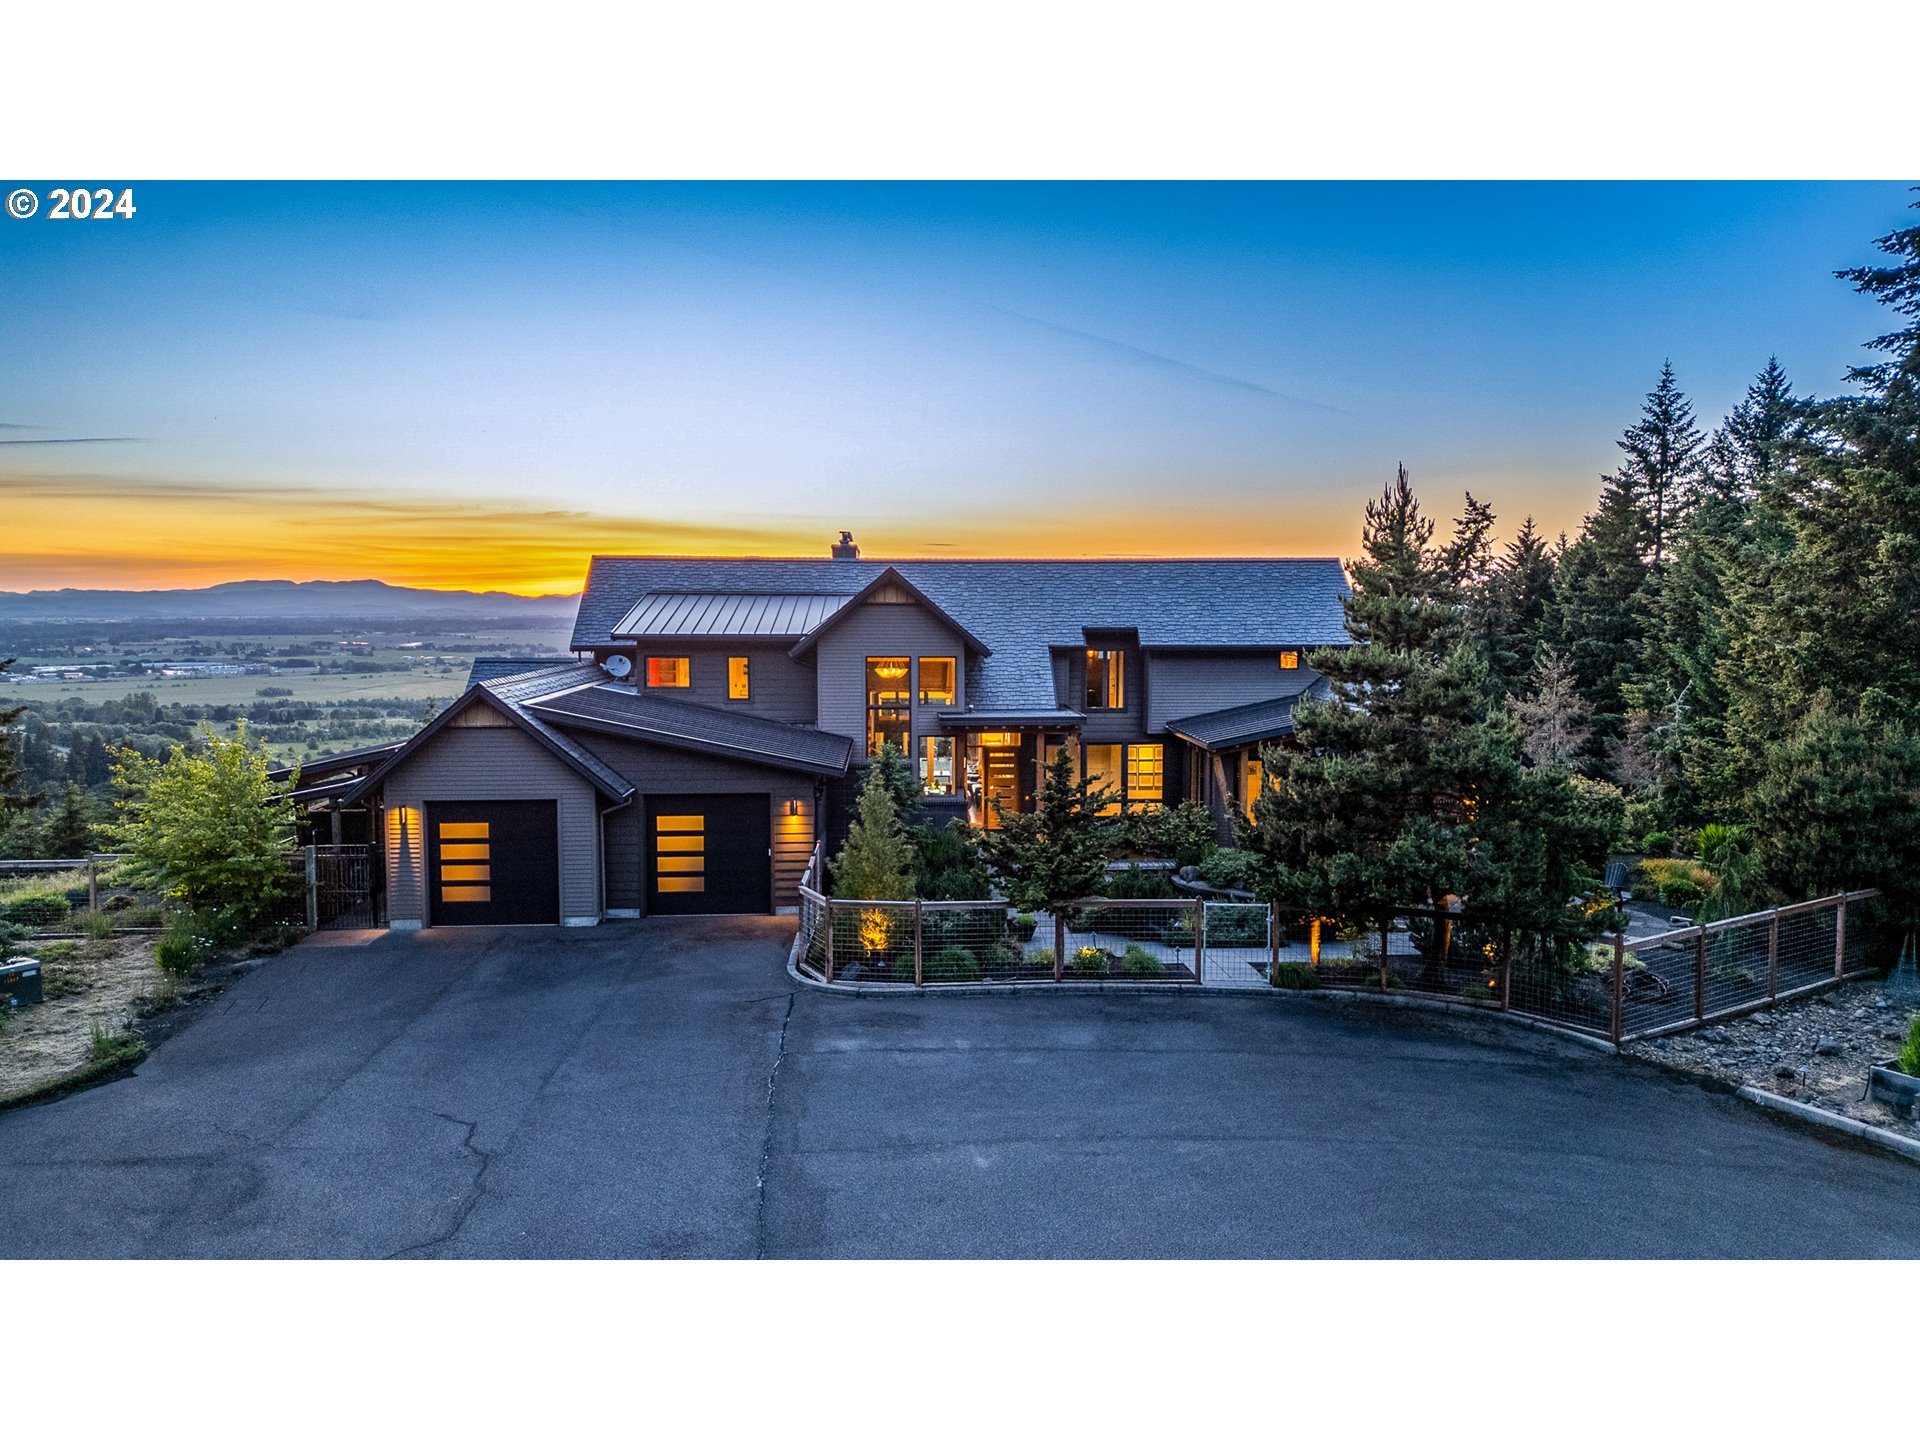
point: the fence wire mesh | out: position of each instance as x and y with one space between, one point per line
1132 940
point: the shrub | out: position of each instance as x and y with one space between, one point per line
1138 961
108 1048
1023 925
1135 882
182 948
1652 877
1681 893
1228 869
38 908
1236 925
1656 842
96 925
950 962
1909 1058
1294 976
1088 960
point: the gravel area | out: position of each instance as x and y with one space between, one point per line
112 982
1816 1051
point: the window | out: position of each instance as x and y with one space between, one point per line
1106 685
680 854
1289 659
669 672
936 681
466 856
1253 783
889 711
936 764
738 687
1103 764
1146 776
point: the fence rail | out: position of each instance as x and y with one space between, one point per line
1619 990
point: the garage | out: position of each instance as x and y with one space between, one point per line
493 862
709 854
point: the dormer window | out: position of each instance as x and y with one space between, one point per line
936 680
1289 659
669 672
1106 680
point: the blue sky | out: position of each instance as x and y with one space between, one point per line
481 384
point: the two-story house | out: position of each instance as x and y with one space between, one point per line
719 712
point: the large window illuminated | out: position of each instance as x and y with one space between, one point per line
1106 680
1103 764
1146 776
738 684
889 703
669 672
1256 778
936 764
936 680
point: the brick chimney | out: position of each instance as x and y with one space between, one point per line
846 549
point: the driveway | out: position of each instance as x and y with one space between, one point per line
658 1088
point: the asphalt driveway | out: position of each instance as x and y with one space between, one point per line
659 1088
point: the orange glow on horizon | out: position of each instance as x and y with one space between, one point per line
105 533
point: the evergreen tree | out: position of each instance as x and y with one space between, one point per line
1749 447
1597 618
1508 626
13 761
877 860
1056 853
1554 720
1662 467
1896 285
897 775
69 831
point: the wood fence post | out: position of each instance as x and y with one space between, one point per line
1059 947
827 904
1199 938
1506 969
1840 939
1773 956
1273 942
93 885
1700 974
1619 988
1386 925
313 889
919 970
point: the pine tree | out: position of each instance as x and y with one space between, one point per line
876 862
1662 467
1554 720
1597 618
1056 853
69 831
1509 625
1898 286
13 768
1750 446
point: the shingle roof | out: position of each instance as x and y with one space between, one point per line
620 709
710 612
493 667
1237 725
1018 608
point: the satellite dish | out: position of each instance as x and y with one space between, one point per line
618 666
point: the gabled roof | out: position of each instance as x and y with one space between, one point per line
887 576
721 612
1237 725
1018 608
616 709
509 695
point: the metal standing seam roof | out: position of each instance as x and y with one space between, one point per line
1238 724
1020 608
719 613
620 709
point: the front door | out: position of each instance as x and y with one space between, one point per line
709 855
1000 771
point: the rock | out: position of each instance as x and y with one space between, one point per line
1830 1047
1785 1072
1714 1035
1763 1018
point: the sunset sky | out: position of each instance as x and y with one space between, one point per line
478 386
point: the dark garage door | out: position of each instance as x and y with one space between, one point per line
493 862
709 855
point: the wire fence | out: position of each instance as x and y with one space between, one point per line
326 887
1616 988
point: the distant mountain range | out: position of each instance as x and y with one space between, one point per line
288 599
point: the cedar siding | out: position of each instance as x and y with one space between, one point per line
1195 681
781 687
882 627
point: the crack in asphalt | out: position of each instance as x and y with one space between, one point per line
766 1138
476 1187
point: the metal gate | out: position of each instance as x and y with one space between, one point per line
347 889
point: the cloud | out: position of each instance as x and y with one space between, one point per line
74 439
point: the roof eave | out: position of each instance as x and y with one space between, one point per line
859 597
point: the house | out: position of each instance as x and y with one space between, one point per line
716 715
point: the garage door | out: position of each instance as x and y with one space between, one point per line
709 855
493 862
